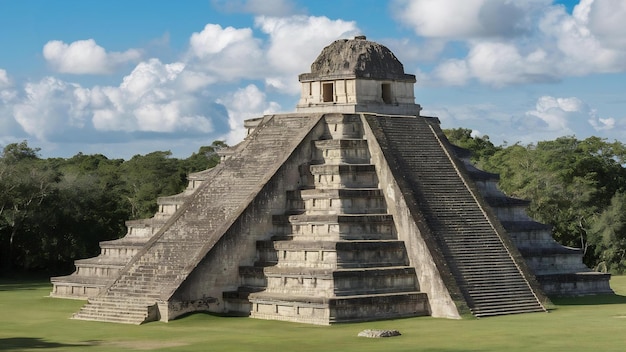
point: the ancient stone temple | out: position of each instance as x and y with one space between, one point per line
353 208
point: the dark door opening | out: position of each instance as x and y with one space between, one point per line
386 93
328 92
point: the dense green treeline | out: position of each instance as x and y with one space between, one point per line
577 186
55 210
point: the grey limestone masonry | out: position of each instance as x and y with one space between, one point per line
354 208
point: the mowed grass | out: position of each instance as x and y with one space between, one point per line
31 321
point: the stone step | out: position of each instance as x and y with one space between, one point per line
117 310
338 309
327 176
110 319
328 283
340 126
332 254
339 226
451 211
337 151
506 309
337 201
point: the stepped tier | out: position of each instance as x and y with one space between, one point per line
325 247
334 255
163 264
332 252
559 269
93 274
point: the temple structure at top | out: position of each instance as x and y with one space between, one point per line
352 76
353 208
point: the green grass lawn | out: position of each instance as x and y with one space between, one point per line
31 321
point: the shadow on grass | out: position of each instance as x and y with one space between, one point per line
589 300
22 343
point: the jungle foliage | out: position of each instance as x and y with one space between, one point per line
55 210
577 186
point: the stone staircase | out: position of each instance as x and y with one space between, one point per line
484 268
559 269
94 274
158 269
334 256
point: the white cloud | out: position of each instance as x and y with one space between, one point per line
225 53
85 57
157 98
453 72
149 100
569 116
7 94
550 118
8 126
51 105
5 82
245 103
465 19
294 44
576 50
556 113
500 53
218 54
606 22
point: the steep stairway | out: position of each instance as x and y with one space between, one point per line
92 275
170 255
483 267
559 269
334 256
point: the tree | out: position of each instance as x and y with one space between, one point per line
569 183
205 158
608 233
25 182
481 147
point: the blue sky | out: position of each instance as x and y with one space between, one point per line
131 77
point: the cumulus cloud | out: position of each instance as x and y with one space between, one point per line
465 19
225 53
230 54
7 93
499 51
51 106
148 101
85 57
4 79
157 99
294 44
9 128
245 103
549 118
554 117
606 22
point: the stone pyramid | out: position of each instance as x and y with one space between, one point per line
353 208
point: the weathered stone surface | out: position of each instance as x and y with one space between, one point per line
374 333
358 58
